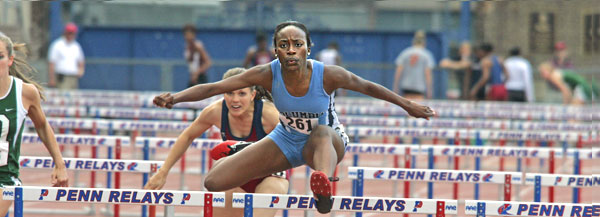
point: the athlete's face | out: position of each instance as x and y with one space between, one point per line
291 47
239 101
189 36
262 45
465 49
5 60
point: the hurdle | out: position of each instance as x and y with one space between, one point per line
483 105
177 125
103 165
157 113
345 203
482 208
89 164
147 143
480 135
118 112
477 113
81 97
114 124
114 196
83 140
448 133
431 175
87 140
476 151
466 124
574 181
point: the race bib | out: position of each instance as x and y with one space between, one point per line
302 125
3 153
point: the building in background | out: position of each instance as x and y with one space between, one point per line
535 26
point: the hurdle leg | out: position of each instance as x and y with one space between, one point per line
169 211
407 183
551 171
430 166
117 176
145 176
76 172
182 173
456 166
577 168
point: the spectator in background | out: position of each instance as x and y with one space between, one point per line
413 70
520 82
331 56
259 54
195 54
66 61
460 64
574 88
492 70
561 57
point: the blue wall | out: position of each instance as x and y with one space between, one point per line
224 45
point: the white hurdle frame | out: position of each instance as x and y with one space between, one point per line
439 208
113 196
482 208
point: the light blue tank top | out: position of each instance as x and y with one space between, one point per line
299 115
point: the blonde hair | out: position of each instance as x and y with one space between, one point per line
261 93
547 66
20 68
546 69
419 38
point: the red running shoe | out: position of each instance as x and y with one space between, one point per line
321 188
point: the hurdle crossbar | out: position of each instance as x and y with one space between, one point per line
345 203
152 125
118 112
89 164
508 135
114 124
155 142
482 208
472 113
561 180
67 139
471 151
82 96
435 175
113 196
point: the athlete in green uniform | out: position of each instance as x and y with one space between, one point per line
20 97
574 88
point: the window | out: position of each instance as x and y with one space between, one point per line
591 34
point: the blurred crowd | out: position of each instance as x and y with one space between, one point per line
481 73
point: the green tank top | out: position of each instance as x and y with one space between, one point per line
12 121
573 80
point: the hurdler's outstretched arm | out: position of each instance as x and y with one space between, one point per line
338 77
258 75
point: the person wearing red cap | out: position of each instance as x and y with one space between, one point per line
561 59
66 61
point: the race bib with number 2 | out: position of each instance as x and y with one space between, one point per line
302 125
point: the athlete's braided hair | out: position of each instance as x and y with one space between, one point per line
261 92
292 23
